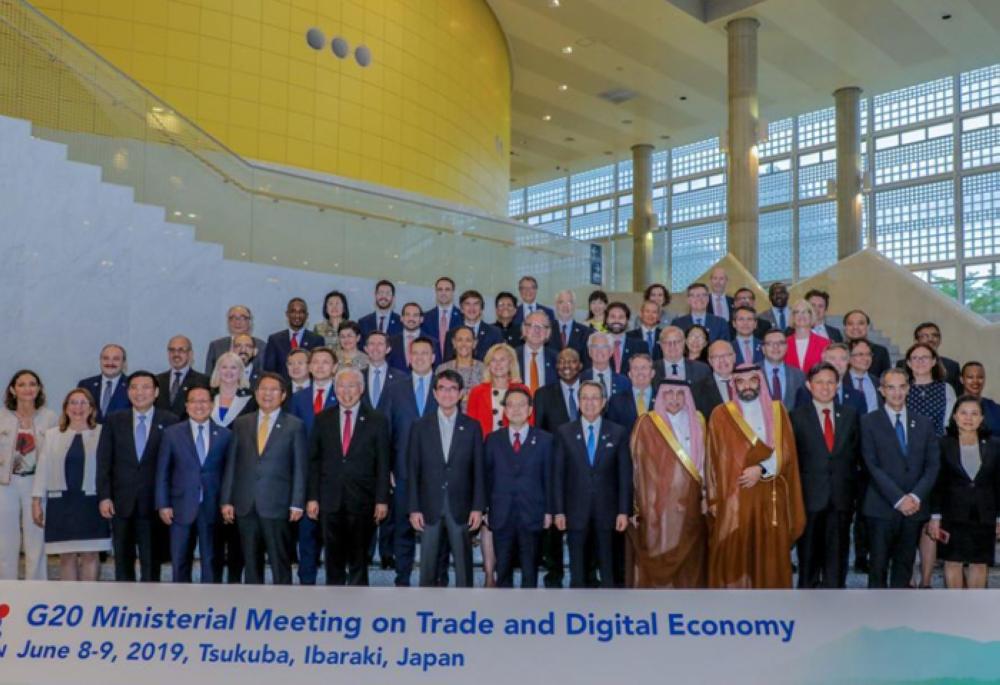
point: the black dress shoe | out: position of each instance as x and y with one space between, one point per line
861 567
388 563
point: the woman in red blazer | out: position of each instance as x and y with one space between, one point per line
486 407
805 348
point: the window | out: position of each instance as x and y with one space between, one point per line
774 246
593 183
912 105
700 200
981 215
549 194
982 287
694 250
697 158
915 225
980 88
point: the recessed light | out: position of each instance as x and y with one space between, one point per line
664 137
608 152
547 117
567 50
684 97
563 87
619 68
626 121
569 139
945 17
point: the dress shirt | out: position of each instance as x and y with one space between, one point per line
645 335
753 414
408 338
539 362
822 418
248 370
343 419
871 395
529 308
104 383
699 318
604 378
567 392
744 344
474 327
174 377
564 328
891 413
446 424
522 432
720 305
668 369
779 313
206 434
820 329
383 372
586 430
769 377
299 386
148 416
382 316
647 396
271 419
324 386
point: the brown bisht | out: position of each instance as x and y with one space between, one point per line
752 530
669 547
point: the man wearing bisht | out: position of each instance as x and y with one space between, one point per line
752 485
669 534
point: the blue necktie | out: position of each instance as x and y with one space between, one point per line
649 341
901 434
376 387
421 396
106 398
781 320
591 444
574 411
140 436
199 445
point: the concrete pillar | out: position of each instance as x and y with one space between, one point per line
741 159
849 174
644 220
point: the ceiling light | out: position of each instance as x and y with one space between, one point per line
567 50
563 87
569 139
684 97
945 17
626 121
547 117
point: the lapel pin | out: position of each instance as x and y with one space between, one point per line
579 437
277 426
461 428
362 419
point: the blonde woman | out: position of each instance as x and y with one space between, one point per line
231 395
805 347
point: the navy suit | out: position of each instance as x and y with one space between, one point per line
630 345
833 333
397 355
519 496
489 335
694 371
280 344
711 305
755 348
546 360
619 383
718 328
638 335
893 537
389 375
519 314
846 396
401 411
119 398
577 339
592 497
191 488
369 323
623 410
431 326
189 380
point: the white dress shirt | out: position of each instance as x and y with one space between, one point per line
446 424
668 369
522 432
723 385
567 391
539 362
206 434
822 417
720 306
753 414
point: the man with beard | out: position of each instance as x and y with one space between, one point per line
622 346
669 535
383 318
752 486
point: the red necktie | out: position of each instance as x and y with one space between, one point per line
318 402
517 443
828 429
618 356
295 342
346 442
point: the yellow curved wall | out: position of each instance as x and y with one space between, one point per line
431 114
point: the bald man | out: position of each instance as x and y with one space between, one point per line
717 388
179 378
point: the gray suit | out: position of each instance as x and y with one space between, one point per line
219 346
262 488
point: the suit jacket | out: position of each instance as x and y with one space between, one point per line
880 361
772 318
706 395
431 326
119 398
550 408
401 410
718 329
814 352
577 339
967 497
794 382
637 335
217 347
125 478
182 481
623 410
711 305
827 476
44 419
604 489
693 371
462 478
271 482
369 323
619 382
397 355
763 326
849 395
391 375
863 400
191 379
834 333
302 405
511 332
489 335
518 485
519 314
547 360
279 344
755 348
893 474
354 482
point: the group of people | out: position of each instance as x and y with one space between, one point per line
723 449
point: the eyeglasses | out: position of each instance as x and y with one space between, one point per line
239 317
536 326
861 354
178 350
921 358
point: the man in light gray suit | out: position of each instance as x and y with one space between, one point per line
239 320
264 484
783 381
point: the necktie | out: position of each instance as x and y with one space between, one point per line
775 385
574 411
604 383
828 429
442 331
640 402
407 341
346 442
747 352
262 432
295 341
618 356
781 320
649 341
175 386
591 445
421 396
105 398
318 401
533 383
729 390
565 335
700 321
376 386
140 436
718 306
675 372
199 445
381 323
901 433
517 443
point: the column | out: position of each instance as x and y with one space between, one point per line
849 173
741 148
644 220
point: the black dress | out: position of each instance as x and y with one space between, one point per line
967 502
73 522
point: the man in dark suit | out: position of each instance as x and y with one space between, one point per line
856 323
859 375
600 370
188 481
108 388
518 463
399 344
296 336
407 400
447 481
378 374
745 344
838 356
716 388
778 315
827 441
348 485
719 304
505 309
179 378
592 482
625 408
246 349
239 321
697 296
567 332
648 332
126 478
673 363
383 318
527 288
783 381
443 316
744 297
621 345
264 483
900 450
537 362
486 334
820 301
